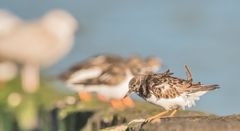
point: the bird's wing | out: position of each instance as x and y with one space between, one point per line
171 87
105 59
164 85
84 74
87 69
102 62
164 74
111 76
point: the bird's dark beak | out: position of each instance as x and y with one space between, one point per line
128 93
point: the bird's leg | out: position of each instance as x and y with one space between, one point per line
159 116
84 96
188 73
173 113
156 116
117 104
30 78
128 102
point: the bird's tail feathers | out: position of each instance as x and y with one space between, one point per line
207 87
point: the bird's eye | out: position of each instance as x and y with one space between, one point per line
134 85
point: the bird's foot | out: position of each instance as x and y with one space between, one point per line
85 96
117 104
159 116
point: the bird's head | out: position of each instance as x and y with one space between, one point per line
139 65
8 22
153 64
61 23
135 84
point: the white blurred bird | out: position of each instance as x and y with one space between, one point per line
8 23
39 43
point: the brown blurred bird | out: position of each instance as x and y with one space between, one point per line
170 92
107 75
39 43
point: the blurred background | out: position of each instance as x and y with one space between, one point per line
202 34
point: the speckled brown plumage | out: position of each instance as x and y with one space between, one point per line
167 91
164 85
107 75
113 68
113 75
101 61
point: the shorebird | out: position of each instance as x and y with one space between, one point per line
108 76
8 23
167 91
39 43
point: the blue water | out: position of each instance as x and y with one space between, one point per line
202 34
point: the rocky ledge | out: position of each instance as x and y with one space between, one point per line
103 118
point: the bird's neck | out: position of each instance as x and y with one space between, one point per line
143 90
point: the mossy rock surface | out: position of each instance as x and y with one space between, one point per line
184 121
191 123
104 118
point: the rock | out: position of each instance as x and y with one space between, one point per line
105 118
191 123
194 123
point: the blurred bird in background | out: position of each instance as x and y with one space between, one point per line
8 23
108 76
38 43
